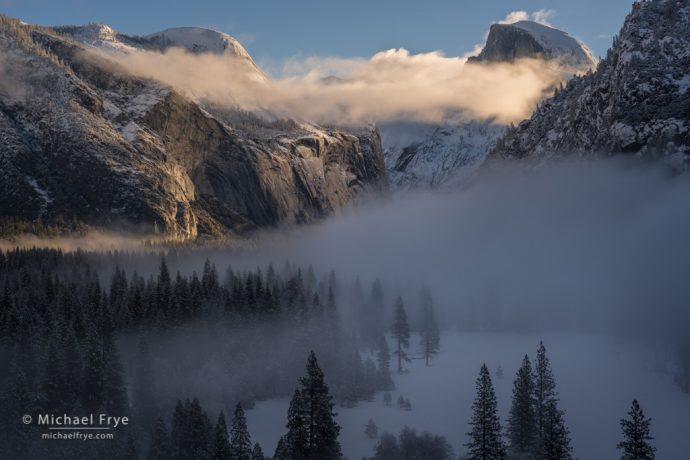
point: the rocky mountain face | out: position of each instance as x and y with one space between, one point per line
192 39
82 140
636 102
433 155
436 155
528 39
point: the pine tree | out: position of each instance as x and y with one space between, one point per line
295 444
387 398
387 448
143 386
163 291
485 438
552 441
636 435
312 430
499 372
17 402
383 358
371 430
115 399
191 435
160 443
430 334
221 441
283 451
240 443
556 444
522 421
257 452
92 382
401 333
55 385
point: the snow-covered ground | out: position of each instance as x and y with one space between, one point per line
597 379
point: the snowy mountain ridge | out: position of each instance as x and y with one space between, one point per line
82 141
436 155
197 40
636 102
529 39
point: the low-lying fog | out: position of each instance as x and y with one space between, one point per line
596 245
590 256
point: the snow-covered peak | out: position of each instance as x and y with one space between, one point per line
527 39
97 31
193 39
557 41
97 35
200 40
636 102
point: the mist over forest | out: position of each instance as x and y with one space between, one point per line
587 250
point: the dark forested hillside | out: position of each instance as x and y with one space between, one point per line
78 337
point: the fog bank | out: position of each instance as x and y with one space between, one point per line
596 245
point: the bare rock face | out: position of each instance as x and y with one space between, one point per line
532 40
507 43
81 140
636 102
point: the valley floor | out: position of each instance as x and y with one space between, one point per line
597 378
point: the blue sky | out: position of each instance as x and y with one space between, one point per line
273 30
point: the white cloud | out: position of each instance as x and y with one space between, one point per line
391 85
542 16
514 16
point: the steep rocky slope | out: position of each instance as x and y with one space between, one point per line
528 39
434 155
191 39
81 140
637 101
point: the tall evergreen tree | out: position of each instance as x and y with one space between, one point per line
401 333
522 421
115 399
636 435
163 290
283 451
371 430
552 441
240 443
92 382
485 438
312 430
55 386
556 443
430 334
257 452
160 443
143 386
191 435
295 444
383 361
221 440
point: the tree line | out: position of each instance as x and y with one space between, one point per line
62 328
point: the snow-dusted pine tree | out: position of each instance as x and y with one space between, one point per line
636 435
552 441
401 333
522 421
486 441
221 440
430 334
240 442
